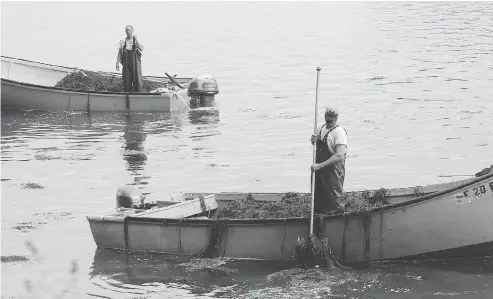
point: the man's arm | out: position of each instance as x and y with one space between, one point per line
118 59
138 44
338 156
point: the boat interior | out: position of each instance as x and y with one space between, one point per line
395 197
43 74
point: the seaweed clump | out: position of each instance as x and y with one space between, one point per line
313 250
299 205
83 80
14 258
291 205
32 186
363 202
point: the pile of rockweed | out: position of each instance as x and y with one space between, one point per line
297 205
83 80
291 205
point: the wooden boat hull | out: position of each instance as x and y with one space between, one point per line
453 222
25 96
29 85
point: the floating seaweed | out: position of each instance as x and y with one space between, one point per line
14 258
32 186
215 267
84 80
28 226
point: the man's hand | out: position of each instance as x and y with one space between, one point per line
314 138
316 167
117 66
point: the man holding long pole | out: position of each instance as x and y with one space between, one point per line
329 154
331 147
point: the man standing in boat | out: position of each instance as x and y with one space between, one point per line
129 56
331 142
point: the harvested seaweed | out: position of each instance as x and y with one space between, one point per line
362 203
298 205
83 80
291 205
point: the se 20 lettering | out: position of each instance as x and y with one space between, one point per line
479 190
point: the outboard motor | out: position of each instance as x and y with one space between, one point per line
129 197
201 91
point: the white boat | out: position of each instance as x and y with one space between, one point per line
30 85
450 220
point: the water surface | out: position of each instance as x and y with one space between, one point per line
412 80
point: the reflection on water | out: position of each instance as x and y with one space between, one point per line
203 116
137 126
133 148
76 136
205 122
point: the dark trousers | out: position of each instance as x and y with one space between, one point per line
329 184
131 72
329 181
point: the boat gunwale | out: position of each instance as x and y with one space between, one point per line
81 91
430 196
78 68
43 63
195 221
228 221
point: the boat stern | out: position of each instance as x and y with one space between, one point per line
108 231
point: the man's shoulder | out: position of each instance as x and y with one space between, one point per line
340 130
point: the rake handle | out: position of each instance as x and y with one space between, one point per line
314 154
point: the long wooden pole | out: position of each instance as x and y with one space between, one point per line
314 154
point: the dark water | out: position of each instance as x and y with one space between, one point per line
240 279
58 167
412 80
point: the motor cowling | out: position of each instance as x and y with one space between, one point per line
129 197
202 90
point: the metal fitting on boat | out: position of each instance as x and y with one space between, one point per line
202 90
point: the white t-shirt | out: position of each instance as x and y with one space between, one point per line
337 136
130 44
